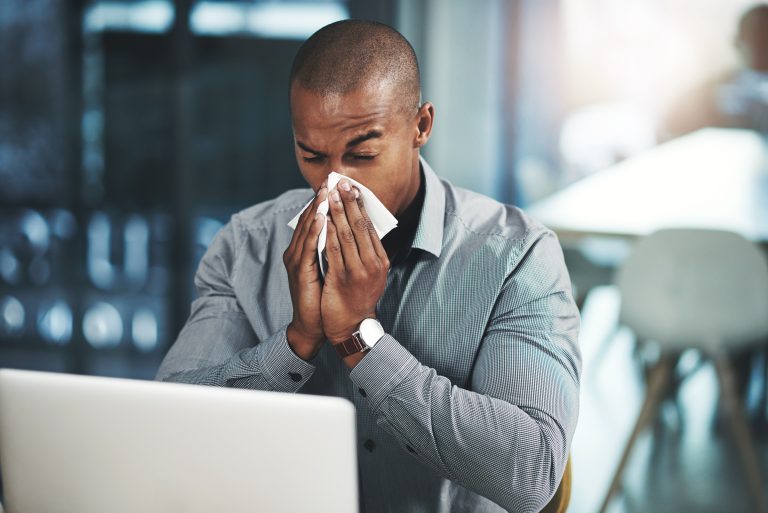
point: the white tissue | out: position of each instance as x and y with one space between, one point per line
382 219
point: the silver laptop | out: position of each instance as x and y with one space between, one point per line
94 445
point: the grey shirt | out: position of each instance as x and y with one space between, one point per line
468 403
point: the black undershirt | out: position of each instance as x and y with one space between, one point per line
398 242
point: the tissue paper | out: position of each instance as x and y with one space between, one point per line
382 219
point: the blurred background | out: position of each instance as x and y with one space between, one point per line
131 130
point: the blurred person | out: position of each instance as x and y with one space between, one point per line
466 388
736 100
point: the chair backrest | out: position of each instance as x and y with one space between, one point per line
695 288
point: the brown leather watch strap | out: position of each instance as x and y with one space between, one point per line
352 345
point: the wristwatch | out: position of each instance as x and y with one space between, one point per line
366 336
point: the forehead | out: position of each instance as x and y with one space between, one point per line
372 106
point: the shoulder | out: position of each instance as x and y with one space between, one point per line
252 233
272 215
259 226
473 216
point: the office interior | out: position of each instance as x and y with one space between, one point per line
131 130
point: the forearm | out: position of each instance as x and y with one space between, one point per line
509 454
263 365
488 445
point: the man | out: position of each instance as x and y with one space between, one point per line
468 400
737 100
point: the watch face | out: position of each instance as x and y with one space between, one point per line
371 332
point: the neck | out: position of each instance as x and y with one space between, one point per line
407 221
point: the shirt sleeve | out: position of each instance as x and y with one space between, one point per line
218 346
508 437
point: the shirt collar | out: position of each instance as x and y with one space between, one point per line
429 232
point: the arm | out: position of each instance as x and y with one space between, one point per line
217 346
508 437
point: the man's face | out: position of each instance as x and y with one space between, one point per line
364 135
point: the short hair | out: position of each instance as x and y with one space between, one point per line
346 55
753 26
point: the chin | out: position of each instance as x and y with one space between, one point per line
396 210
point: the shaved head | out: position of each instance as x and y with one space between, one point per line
753 36
753 25
349 55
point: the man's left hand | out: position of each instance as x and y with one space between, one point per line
357 266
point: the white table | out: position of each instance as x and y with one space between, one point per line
712 178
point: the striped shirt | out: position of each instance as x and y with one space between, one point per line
468 403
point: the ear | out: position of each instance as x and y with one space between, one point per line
424 120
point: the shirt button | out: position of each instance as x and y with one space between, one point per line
362 392
369 445
295 376
410 449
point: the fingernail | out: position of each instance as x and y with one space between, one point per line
335 196
345 185
356 193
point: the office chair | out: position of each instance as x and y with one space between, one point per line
700 289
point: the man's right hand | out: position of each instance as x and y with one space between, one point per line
305 332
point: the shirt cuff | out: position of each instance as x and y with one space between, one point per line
283 369
382 368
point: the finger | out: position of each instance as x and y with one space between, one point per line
305 222
297 232
378 247
312 210
344 231
333 249
361 225
308 260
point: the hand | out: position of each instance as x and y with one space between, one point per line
357 266
305 332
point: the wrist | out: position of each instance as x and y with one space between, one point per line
363 339
305 346
337 337
336 340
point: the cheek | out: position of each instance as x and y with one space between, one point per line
388 190
393 174
313 178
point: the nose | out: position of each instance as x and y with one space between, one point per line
338 166
335 164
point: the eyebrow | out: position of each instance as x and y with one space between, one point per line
307 148
373 134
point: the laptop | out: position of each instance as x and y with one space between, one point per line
89 445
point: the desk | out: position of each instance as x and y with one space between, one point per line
712 178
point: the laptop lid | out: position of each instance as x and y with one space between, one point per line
88 444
